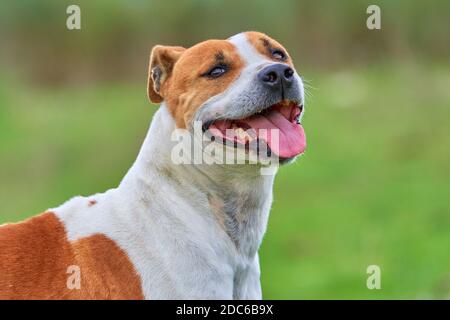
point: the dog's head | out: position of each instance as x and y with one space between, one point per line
241 89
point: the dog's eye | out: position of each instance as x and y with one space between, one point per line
217 71
278 54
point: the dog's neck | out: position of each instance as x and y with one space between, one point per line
237 198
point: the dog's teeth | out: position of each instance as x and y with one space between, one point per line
243 135
249 137
240 133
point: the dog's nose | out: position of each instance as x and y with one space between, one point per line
276 75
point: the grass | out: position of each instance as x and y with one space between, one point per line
372 187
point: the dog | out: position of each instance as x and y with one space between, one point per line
174 230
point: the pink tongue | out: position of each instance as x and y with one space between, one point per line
292 139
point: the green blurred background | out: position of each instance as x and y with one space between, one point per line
372 188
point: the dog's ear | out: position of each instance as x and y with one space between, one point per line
162 60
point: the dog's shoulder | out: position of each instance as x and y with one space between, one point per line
39 261
30 255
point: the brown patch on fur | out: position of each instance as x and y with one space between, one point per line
168 174
92 202
106 271
264 45
186 87
35 256
216 204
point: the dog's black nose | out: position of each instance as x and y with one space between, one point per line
276 75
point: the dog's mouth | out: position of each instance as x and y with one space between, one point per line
277 126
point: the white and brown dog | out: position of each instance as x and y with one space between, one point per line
170 230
